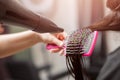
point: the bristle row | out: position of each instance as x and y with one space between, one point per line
77 40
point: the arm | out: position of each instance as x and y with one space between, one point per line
12 43
104 24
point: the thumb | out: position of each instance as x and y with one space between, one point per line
59 38
56 41
51 39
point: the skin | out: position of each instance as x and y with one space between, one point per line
61 37
12 43
111 21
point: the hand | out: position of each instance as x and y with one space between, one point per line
24 40
56 39
62 37
109 22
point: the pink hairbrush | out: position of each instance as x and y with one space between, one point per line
81 41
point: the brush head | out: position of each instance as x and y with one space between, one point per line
81 41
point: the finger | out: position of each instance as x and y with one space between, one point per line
61 53
49 38
56 41
55 50
60 36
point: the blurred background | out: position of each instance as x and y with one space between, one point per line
36 63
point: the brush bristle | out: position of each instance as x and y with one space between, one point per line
78 42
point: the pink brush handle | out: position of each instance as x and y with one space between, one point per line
51 46
89 53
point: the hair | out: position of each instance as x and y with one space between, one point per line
75 65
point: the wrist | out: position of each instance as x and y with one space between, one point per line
35 36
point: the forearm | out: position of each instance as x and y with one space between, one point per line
103 24
12 43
